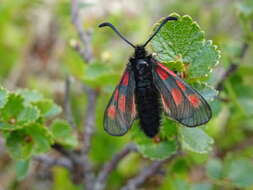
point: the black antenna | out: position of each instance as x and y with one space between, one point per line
115 30
158 29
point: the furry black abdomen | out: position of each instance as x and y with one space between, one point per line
147 98
149 110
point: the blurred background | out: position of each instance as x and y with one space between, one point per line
36 52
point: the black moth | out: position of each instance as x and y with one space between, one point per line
148 88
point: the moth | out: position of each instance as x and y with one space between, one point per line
147 89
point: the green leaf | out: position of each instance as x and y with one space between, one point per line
240 172
25 142
3 97
214 169
99 74
208 92
22 167
48 108
42 137
6 126
12 108
30 95
27 115
183 42
168 129
63 133
153 150
195 139
19 145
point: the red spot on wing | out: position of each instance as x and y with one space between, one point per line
177 96
125 79
133 108
116 94
181 85
111 111
122 103
194 100
165 105
162 74
166 69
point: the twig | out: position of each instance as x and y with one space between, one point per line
85 51
67 104
68 154
147 172
89 127
232 68
85 36
111 165
49 162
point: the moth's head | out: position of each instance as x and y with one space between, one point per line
138 48
139 51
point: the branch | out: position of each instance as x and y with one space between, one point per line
86 50
49 162
232 68
147 172
67 105
68 154
89 128
111 165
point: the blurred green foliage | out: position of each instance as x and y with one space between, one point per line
218 155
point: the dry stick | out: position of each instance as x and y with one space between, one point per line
232 68
111 165
67 105
147 172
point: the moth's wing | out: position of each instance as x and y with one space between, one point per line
180 101
121 110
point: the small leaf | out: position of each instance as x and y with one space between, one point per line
157 151
28 114
153 150
48 108
183 42
30 95
25 142
3 97
240 172
12 108
195 139
63 133
19 145
206 57
214 169
22 167
42 137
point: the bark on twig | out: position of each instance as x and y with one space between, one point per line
147 172
85 50
50 162
67 105
111 165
